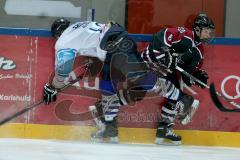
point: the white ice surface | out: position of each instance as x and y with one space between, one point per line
26 149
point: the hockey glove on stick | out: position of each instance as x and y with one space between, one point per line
49 94
199 74
202 76
168 59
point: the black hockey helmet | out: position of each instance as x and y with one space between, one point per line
203 21
58 26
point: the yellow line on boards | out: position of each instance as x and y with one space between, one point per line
126 135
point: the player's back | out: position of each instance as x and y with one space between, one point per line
80 35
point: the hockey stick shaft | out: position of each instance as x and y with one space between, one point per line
205 85
191 77
20 112
25 109
30 107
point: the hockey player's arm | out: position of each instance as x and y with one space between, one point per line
50 89
64 61
161 49
190 61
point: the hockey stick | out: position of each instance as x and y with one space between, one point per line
30 107
15 115
214 94
217 102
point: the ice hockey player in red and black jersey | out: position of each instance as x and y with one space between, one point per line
187 46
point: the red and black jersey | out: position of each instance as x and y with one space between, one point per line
182 41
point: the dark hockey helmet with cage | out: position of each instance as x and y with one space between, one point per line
58 26
203 21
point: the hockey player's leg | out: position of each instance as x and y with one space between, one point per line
97 114
184 109
178 105
186 104
165 133
169 111
109 131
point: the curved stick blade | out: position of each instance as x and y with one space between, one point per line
217 102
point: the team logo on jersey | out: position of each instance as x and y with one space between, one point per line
65 59
181 29
6 64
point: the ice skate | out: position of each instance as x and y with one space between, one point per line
166 136
108 133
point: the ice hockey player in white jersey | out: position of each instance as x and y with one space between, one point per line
92 39
111 44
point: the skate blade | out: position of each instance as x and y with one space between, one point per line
163 141
98 137
97 140
112 140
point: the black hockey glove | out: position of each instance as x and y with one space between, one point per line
49 94
202 76
169 59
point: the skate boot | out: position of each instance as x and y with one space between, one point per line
166 136
108 133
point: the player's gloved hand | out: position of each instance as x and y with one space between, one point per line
49 94
202 76
169 59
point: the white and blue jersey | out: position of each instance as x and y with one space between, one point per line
79 39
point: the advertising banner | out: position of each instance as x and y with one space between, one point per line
27 63
17 73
